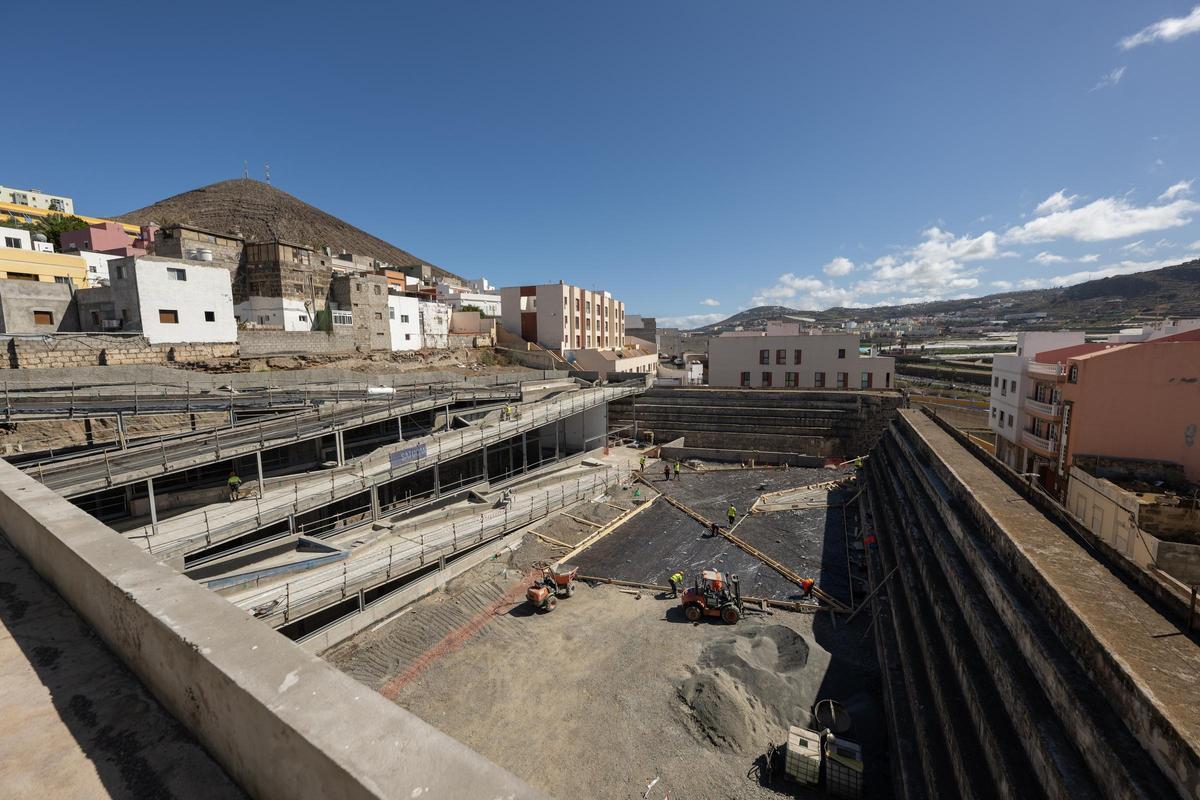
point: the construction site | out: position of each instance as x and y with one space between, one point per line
528 584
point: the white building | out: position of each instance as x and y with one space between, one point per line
435 325
564 318
97 265
21 239
167 300
1011 390
635 356
404 319
278 313
36 198
1153 331
455 296
784 358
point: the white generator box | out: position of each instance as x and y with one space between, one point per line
802 760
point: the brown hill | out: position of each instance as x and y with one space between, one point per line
260 212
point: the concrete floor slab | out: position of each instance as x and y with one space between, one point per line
74 722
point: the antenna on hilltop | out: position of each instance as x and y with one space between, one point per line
267 171
245 169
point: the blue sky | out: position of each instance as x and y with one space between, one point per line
693 157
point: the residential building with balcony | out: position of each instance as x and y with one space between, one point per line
1013 386
480 294
107 237
166 300
25 258
782 357
564 318
36 198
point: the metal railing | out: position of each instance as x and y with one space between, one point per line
1045 370
282 603
208 527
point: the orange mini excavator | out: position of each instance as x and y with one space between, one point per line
555 582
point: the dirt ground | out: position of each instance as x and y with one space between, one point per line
609 691
43 436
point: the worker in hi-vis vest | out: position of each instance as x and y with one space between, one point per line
732 513
676 582
235 485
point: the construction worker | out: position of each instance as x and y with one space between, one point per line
235 485
716 529
666 472
858 462
732 514
642 463
806 586
676 582
677 469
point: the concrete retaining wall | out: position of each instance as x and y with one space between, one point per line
283 723
740 456
92 351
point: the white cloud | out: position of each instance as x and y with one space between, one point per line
1003 286
1048 258
1111 79
884 261
1134 247
839 267
1106 218
709 301
1090 258
1181 189
1194 245
1165 30
1059 201
805 292
689 320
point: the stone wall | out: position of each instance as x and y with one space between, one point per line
275 343
100 351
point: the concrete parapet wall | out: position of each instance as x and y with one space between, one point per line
283 723
740 456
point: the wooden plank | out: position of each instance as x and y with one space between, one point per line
584 521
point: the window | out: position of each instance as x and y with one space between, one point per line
1073 374
841 352
376 290
1001 417
791 379
43 317
1010 420
764 356
797 356
342 318
887 380
12 241
379 315
993 412
302 317
781 356
407 336
1013 386
62 279
168 316
866 380
745 379
843 379
404 317
1004 388
766 379
176 274
96 318
819 380
117 272
210 316
391 313
995 383
125 314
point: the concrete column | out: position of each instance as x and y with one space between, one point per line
262 485
557 437
121 440
437 481
374 501
153 510
400 428
485 459
524 453
340 446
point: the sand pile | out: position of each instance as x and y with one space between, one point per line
751 685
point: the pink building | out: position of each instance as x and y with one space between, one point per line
108 237
1138 400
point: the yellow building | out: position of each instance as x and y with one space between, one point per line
30 214
18 264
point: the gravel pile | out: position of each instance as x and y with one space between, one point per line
750 685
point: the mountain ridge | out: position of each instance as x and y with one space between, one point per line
1168 291
261 212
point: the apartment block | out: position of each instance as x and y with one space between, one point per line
280 285
784 358
24 258
564 318
167 300
404 321
107 237
361 302
36 198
